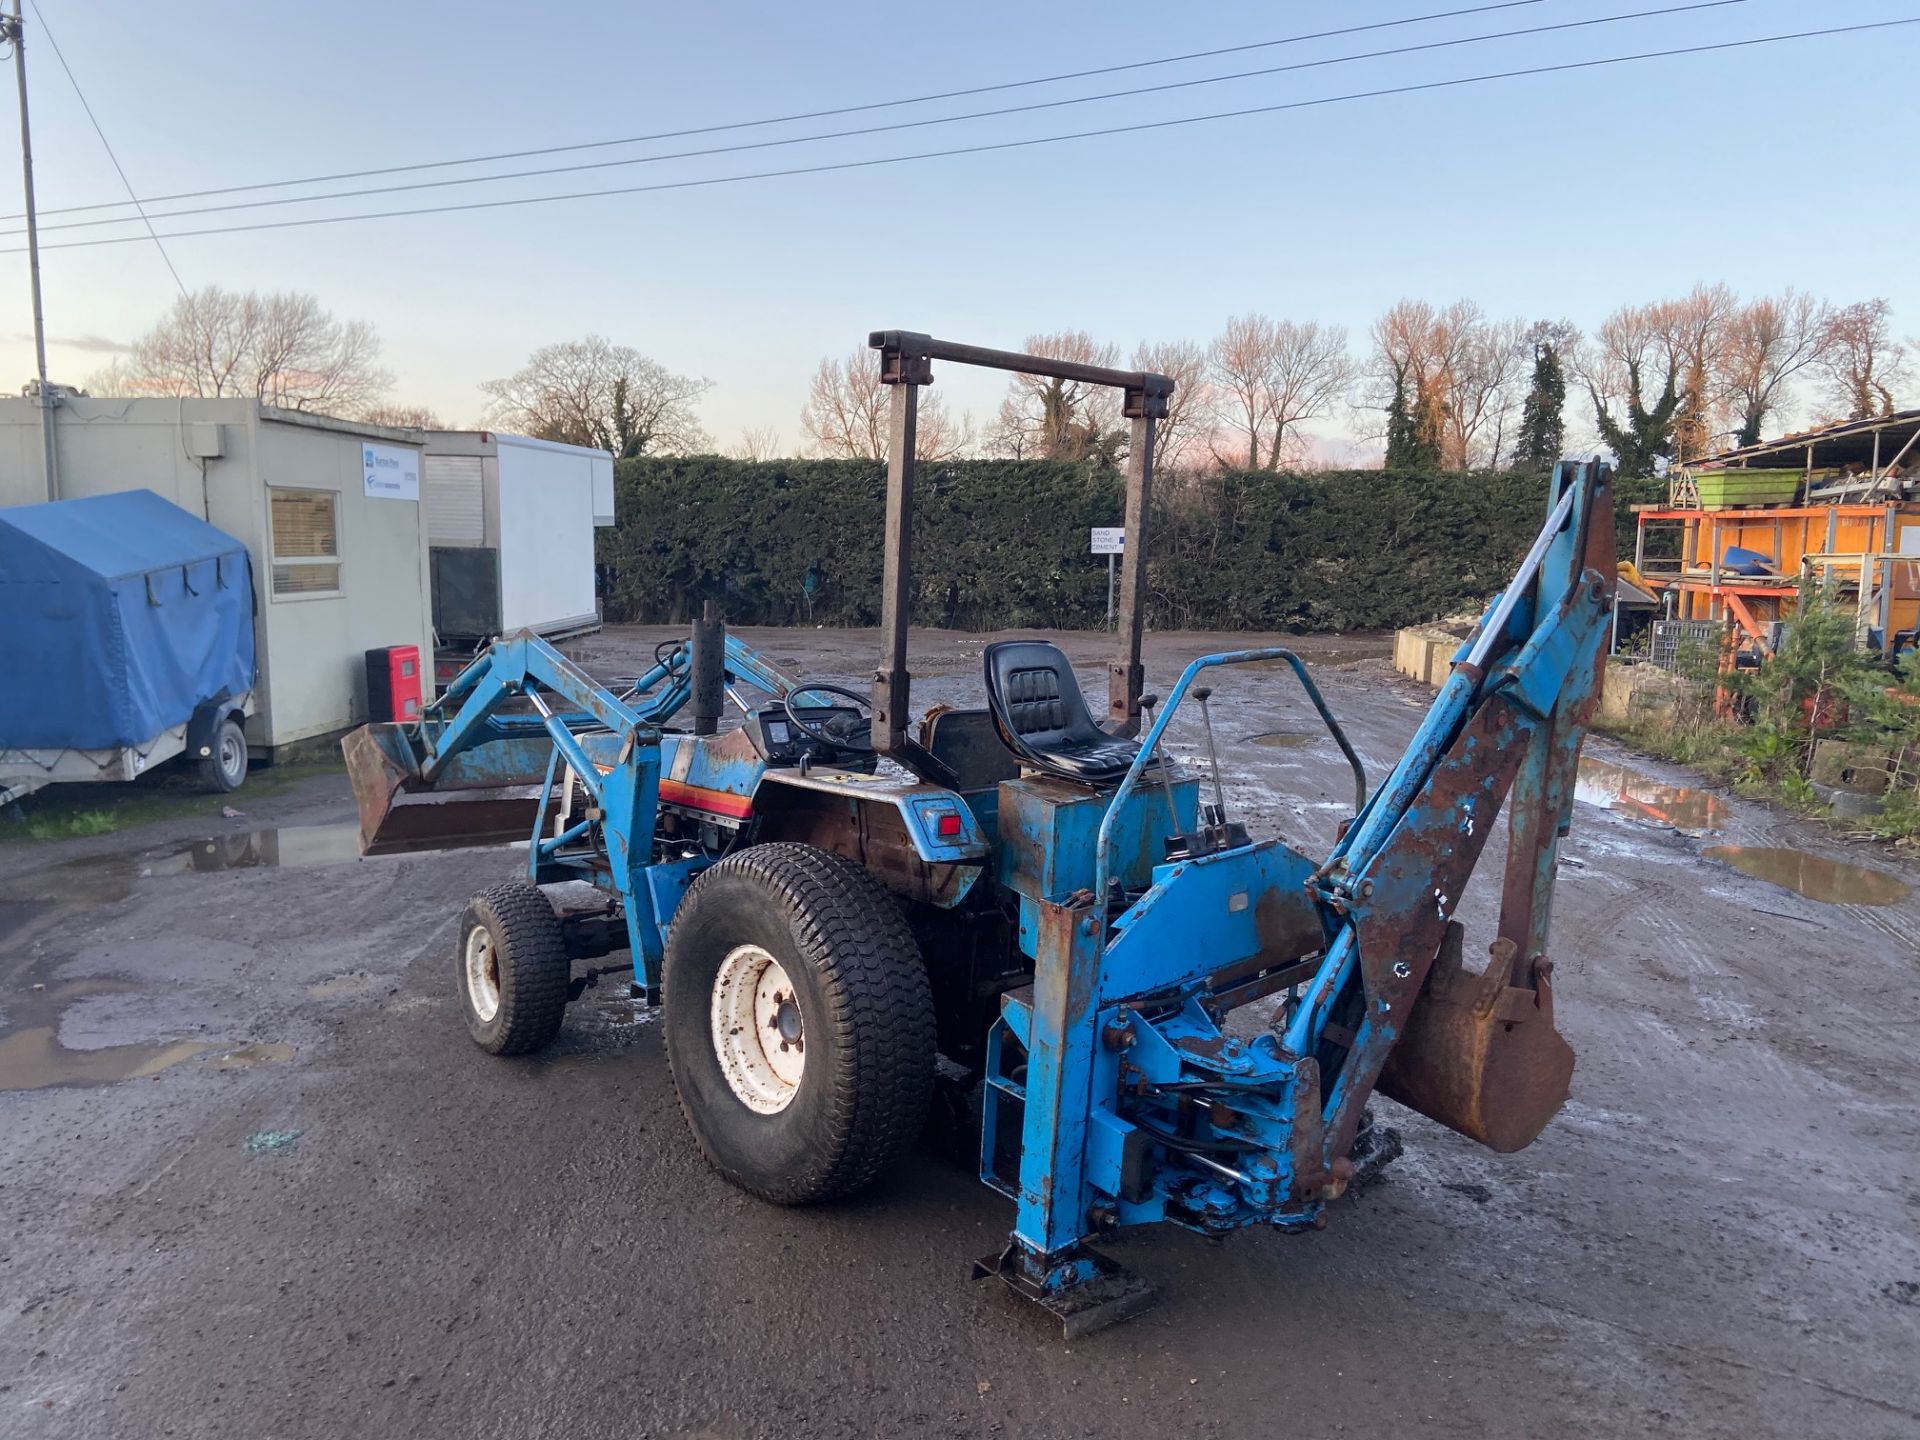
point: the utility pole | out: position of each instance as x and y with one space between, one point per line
12 29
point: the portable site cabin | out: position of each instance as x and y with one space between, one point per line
329 512
510 524
1839 505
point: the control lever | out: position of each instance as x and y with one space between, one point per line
1147 702
1217 811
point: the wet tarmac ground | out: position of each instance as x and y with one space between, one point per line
254 1180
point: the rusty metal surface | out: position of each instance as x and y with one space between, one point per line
1543 799
873 835
1480 1055
1450 1064
469 805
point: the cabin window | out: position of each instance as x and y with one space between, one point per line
306 541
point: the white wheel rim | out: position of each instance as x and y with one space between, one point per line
233 756
759 1034
483 974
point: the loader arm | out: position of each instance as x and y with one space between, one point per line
471 773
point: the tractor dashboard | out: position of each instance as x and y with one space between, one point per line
840 732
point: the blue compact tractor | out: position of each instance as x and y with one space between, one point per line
838 903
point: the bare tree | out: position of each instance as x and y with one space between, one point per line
1184 363
1861 361
1240 364
1769 341
846 414
593 392
1490 366
283 349
402 417
757 443
1458 375
1272 377
1699 327
1052 419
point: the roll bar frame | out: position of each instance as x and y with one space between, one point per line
906 364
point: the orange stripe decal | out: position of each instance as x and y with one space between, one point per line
720 802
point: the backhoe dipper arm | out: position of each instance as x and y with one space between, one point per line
1476 1052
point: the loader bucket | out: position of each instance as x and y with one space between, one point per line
1480 1054
489 795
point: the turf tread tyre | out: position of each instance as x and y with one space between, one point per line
534 968
866 1091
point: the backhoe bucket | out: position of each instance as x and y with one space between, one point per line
488 795
1480 1054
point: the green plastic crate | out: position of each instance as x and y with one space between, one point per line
1741 489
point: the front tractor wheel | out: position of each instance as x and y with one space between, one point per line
799 1023
513 969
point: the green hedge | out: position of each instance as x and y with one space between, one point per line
1000 544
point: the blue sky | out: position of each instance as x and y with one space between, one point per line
1556 196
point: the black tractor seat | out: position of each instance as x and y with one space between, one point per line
1042 717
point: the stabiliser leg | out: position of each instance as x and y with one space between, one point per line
1081 1288
1044 1260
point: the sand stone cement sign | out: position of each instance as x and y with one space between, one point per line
391 473
1109 540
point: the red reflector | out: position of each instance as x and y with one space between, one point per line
949 825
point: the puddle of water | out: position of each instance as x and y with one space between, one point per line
291 847
1832 882
34 1059
1282 740
1615 787
103 879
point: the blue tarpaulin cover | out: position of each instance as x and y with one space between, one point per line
119 615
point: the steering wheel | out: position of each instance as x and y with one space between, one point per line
838 732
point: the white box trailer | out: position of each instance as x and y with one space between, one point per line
510 524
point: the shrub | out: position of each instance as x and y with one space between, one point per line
1001 544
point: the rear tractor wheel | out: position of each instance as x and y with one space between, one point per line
799 1023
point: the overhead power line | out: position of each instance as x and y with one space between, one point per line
1563 67
543 171
105 144
799 115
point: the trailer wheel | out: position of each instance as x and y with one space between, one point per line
799 1023
512 969
225 766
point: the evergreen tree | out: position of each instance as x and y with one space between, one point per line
1401 442
1647 434
1413 429
1542 428
1429 429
